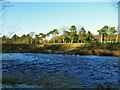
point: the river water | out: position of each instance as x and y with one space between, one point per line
89 70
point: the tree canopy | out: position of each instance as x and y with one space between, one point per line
73 34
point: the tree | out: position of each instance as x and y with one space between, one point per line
42 37
89 37
4 38
111 31
54 34
3 5
37 39
28 39
32 34
73 32
82 35
22 39
102 32
64 34
15 38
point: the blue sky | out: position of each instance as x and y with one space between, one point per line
45 16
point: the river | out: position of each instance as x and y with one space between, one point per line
87 70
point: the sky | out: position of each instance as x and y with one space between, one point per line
62 0
42 17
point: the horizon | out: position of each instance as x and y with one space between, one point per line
42 17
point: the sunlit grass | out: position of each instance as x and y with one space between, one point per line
80 44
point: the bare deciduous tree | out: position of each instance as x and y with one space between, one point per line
3 27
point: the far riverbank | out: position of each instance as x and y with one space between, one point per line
106 49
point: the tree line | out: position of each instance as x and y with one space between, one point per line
72 34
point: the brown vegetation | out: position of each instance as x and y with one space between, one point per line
76 49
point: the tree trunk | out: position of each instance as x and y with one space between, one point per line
63 41
78 40
72 41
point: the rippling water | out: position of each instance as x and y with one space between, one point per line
87 69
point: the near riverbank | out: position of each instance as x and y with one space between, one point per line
99 49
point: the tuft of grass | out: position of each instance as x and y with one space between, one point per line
9 80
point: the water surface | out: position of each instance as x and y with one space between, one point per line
89 70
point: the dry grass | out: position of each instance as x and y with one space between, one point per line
67 48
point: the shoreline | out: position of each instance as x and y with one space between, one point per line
65 54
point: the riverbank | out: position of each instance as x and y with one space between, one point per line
67 48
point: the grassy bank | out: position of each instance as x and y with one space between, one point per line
45 81
49 81
67 48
